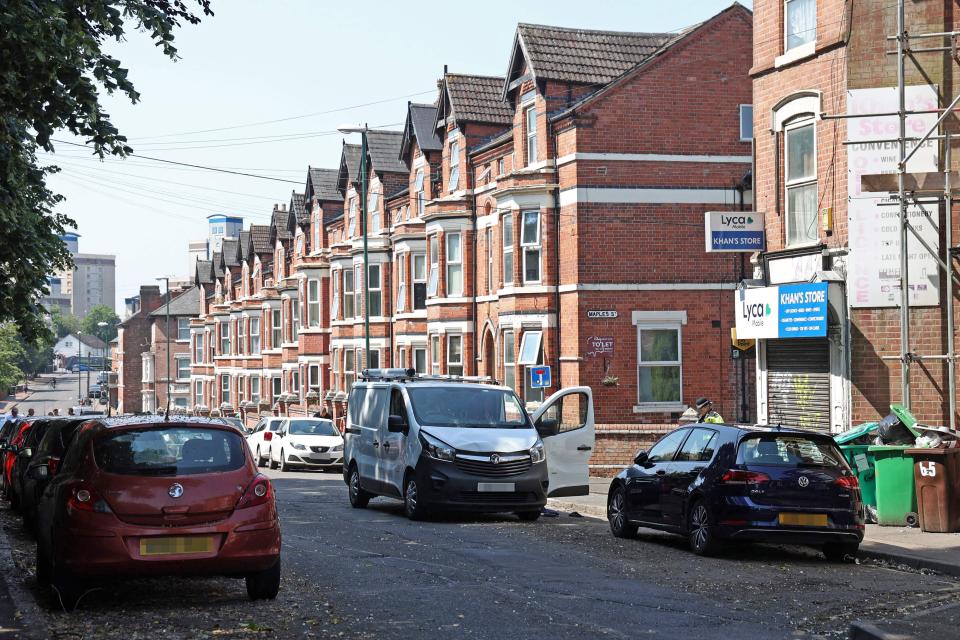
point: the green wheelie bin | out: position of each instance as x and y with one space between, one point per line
895 490
860 460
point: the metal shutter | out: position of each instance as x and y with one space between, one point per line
798 383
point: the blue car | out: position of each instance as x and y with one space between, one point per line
718 483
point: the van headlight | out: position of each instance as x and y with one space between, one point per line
537 454
437 449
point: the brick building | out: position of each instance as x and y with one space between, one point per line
133 338
553 216
814 60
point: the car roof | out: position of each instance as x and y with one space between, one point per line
758 429
124 422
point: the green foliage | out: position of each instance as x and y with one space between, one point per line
11 354
63 324
52 69
37 356
96 315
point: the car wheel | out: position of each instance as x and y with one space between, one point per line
358 497
840 551
44 567
264 585
68 588
284 467
413 504
529 516
259 457
271 463
617 516
14 500
700 530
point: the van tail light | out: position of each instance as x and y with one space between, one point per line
83 497
738 476
267 436
260 491
847 482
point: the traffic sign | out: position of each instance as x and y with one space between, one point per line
539 376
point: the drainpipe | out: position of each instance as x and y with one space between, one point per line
476 239
742 365
556 244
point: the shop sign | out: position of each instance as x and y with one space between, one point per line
783 312
730 231
597 313
599 346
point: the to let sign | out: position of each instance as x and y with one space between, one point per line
600 313
599 346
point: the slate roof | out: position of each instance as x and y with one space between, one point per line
349 166
279 224
477 99
217 262
580 55
383 148
229 251
260 237
322 184
92 341
243 245
421 119
298 208
204 273
185 304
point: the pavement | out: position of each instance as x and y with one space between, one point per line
901 545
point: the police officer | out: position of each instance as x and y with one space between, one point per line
705 411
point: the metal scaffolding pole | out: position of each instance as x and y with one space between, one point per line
904 252
951 363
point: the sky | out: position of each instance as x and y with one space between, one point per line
261 87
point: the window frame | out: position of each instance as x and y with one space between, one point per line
419 190
255 393
358 304
508 254
198 392
535 338
749 130
183 329
401 261
313 302
348 294
652 405
352 218
313 376
810 41
806 181
198 348
375 293
490 288
254 326
224 388
531 248
433 277
276 387
454 179
416 368
451 363
435 354
349 373
509 358
335 298
453 239
419 281
224 327
276 328
182 358
530 133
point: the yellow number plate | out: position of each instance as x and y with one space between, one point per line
169 546
804 519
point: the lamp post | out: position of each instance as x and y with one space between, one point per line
166 279
362 130
79 369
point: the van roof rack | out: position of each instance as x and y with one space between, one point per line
410 375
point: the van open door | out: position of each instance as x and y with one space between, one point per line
565 423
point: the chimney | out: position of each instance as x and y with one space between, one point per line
150 298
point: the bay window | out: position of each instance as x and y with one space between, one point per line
419 281
435 355
455 355
348 293
454 265
509 371
530 241
508 249
434 266
254 336
313 303
374 296
401 262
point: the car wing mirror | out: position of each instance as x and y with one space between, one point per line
547 427
396 424
642 458
28 452
39 472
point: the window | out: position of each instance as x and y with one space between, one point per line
500 167
316 234
255 336
276 326
664 450
435 355
420 360
183 328
698 447
348 293
313 303
401 262
277 387
801 23
349 375
352 219
358 289
225 338
455 355
198 348
801 183
335 298
419 192
224 388
490 260
454 265
454 166
335 369
434 266
374 297
295 312
509 372
746 122
255 389
183 367
508 249
373 200
658 357
313 376
531 120
530 241
419 281
373 359
198 393
530 347
295 381
299 245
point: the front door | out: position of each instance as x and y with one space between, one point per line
693 458
391 457
645 484
565 423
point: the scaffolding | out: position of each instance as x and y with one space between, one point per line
912 188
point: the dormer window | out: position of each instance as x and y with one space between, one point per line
419 192
352 229
528 104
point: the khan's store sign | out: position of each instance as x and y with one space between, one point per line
786 311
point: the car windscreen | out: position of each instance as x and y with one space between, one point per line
788 450
181 450
312 428
467 406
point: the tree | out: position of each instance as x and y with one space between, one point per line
97 314
11 354
37 356
63 324
52 69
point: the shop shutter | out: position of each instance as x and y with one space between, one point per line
798 383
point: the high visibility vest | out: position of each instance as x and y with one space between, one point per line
712 417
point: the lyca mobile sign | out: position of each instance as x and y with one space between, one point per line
787 311
733 231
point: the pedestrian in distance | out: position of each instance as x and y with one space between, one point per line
56 411
70 412
14 415
705 411
49 413
30 412
323 413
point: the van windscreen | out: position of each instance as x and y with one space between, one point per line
469 406
169 451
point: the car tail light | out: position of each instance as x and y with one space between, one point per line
83 497
267 436
738 476
52 465
259 492
847 482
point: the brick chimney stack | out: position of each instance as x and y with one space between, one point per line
150 298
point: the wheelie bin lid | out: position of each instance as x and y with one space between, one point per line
891 447
906 418
855 433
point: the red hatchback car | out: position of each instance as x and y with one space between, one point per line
143 496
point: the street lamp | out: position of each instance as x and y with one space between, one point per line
363 130
166 411
79 369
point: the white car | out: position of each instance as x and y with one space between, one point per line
260 439
309 443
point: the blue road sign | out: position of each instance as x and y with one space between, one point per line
539 376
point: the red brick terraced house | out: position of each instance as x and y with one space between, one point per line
554 215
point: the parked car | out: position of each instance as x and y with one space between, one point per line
463 445
310 443
9 453
260 439
21 458
237 422
93 391
718 483
8 429
44 463
145 496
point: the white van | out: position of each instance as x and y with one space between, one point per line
462 444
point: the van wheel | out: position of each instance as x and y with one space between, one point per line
529 516
840 552
259 457
617 516
264 585
700 530
358 497
413 504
